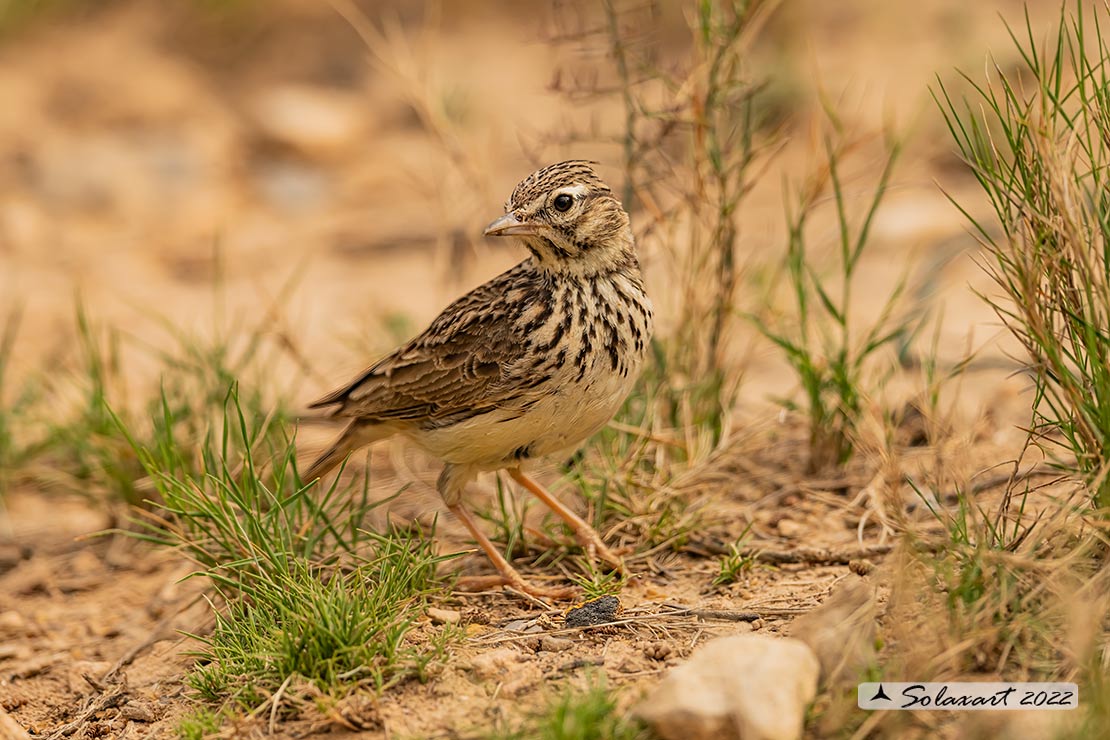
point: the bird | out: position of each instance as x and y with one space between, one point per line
527 366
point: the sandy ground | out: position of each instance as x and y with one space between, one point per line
145 153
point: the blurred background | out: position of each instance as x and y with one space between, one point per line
331 165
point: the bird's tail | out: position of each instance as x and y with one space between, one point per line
357 434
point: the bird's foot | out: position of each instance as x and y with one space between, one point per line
516 583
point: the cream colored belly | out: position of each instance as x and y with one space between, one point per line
558 422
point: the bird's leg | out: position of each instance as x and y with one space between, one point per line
586 535
509 576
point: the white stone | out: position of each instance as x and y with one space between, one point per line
743 687
443 616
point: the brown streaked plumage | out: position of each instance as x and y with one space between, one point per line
525 366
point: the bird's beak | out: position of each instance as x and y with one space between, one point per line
509 225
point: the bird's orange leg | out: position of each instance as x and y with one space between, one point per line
586 535
509 576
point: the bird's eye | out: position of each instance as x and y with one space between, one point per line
563 202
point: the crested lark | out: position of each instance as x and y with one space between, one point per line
526 366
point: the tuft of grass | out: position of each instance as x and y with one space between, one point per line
595 584
992 590
199 723
243 502
78 448
1095 693
1000 574
1037 139
336 629
829 352
737 562
87 445
589 713
307 593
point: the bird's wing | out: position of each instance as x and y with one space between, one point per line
460 366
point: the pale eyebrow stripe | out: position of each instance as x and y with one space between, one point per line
573 190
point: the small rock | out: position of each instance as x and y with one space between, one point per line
291 184
743 687
495 663
658 651
443 616
549 644
630 664
790 528
841 632
477 616
527 626
141 711
602 610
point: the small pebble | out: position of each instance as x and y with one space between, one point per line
476 616
658 651
790 528
443 616
602 610
555 644
527 626
139 711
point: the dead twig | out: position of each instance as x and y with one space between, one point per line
816 555
113 697
720 615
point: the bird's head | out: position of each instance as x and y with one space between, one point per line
568 218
